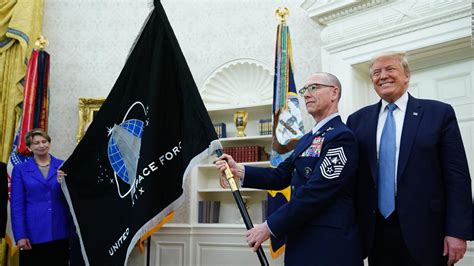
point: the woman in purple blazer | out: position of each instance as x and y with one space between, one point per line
40 217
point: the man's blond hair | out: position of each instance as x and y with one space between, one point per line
401 56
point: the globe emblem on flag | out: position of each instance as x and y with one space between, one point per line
122 157
123 148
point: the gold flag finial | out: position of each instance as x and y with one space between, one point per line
41 42
281 13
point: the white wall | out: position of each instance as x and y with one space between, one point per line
90 39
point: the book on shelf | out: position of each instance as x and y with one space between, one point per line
252 153
220 130
265 126
200 211
208 211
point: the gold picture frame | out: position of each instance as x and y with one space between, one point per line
88 107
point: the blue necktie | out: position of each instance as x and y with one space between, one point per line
386 182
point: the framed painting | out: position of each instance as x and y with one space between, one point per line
88 107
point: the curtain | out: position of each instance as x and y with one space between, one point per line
20 25
21 22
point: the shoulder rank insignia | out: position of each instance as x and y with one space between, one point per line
332 165
326 131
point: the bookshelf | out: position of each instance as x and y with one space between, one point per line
256 112
241 84
207 186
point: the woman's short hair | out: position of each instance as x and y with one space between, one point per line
36 132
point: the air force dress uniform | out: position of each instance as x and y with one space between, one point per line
319 220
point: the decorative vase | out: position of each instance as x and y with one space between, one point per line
240 121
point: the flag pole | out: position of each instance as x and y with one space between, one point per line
243 210
148 248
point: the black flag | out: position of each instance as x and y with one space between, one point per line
128 171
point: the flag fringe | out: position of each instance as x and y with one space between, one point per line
150 4
157 227
285 192
74 218
278 252
151 7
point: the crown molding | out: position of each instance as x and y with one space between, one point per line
336 38
324 12
350 23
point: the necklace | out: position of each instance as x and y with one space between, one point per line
46 165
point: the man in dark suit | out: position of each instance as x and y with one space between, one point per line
414 188
319 220
3 199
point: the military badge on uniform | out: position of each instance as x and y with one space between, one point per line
307 171
332 165
314 150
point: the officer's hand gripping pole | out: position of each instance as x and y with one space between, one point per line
240 203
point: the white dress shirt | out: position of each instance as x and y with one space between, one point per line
323 122
399 117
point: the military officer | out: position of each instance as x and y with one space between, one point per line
319 219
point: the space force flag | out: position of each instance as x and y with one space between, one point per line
127 173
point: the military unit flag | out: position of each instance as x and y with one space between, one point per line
288 125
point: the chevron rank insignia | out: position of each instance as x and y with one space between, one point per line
333 163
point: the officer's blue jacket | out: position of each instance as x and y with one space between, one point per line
319 220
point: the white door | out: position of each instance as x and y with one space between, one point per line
451 83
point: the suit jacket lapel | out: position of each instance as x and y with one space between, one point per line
54 165
33 169
372 138
305 142
412 120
